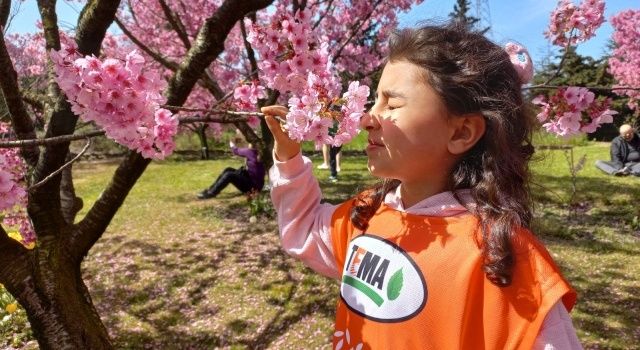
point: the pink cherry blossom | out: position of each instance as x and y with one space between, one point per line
571 24
120 97
573 110
624 63
13 194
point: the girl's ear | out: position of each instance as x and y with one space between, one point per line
464 132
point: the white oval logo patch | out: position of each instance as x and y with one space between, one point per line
381 282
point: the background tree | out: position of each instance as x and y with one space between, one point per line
461 14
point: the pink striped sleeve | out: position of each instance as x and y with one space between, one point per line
304 222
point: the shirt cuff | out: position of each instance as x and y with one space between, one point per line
290 168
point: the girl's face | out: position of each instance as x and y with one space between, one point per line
408 128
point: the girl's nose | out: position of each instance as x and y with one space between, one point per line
369 120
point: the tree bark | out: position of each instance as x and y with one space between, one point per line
48 284
69 202
5 9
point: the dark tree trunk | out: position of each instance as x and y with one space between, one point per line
48 284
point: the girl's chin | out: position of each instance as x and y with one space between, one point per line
376 170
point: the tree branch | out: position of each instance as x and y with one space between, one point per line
20 119
93 225
597 88
227 117
557 72
33 100
355 31
50 140
207 82
44 202
329 9
250 53
65 165
210 84
5 9
50 24
95 19
156 56
175 24
208 44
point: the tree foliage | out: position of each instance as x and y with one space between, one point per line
461 13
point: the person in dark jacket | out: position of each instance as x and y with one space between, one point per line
625 154
246 179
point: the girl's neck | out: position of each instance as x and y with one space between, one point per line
413 193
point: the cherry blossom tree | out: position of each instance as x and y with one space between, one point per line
176 63
625 59
46 280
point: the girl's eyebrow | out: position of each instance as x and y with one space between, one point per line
393 94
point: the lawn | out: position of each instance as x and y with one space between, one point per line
175 272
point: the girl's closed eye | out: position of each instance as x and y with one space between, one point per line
392 106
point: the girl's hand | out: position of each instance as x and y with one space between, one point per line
284 147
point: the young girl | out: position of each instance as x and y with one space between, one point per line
439 254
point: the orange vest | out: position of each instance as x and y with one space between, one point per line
416 282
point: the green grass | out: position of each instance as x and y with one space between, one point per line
174 272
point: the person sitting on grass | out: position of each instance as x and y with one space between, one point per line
248 178
625 154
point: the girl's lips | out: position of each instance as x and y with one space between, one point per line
374 145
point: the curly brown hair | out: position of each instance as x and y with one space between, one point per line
471 74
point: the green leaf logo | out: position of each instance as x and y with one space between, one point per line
395 285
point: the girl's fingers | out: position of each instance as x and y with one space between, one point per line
284 147
280 111
273 124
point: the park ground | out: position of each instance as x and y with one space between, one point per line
173 272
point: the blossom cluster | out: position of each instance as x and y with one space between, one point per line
573 110
294 61
624 63
13 195
119 96
571 24
246 98
311 119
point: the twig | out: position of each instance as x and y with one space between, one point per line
228 117
329 9
65 165
564 57
156 56
355 31
175 24
597 88
49 140
209 111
